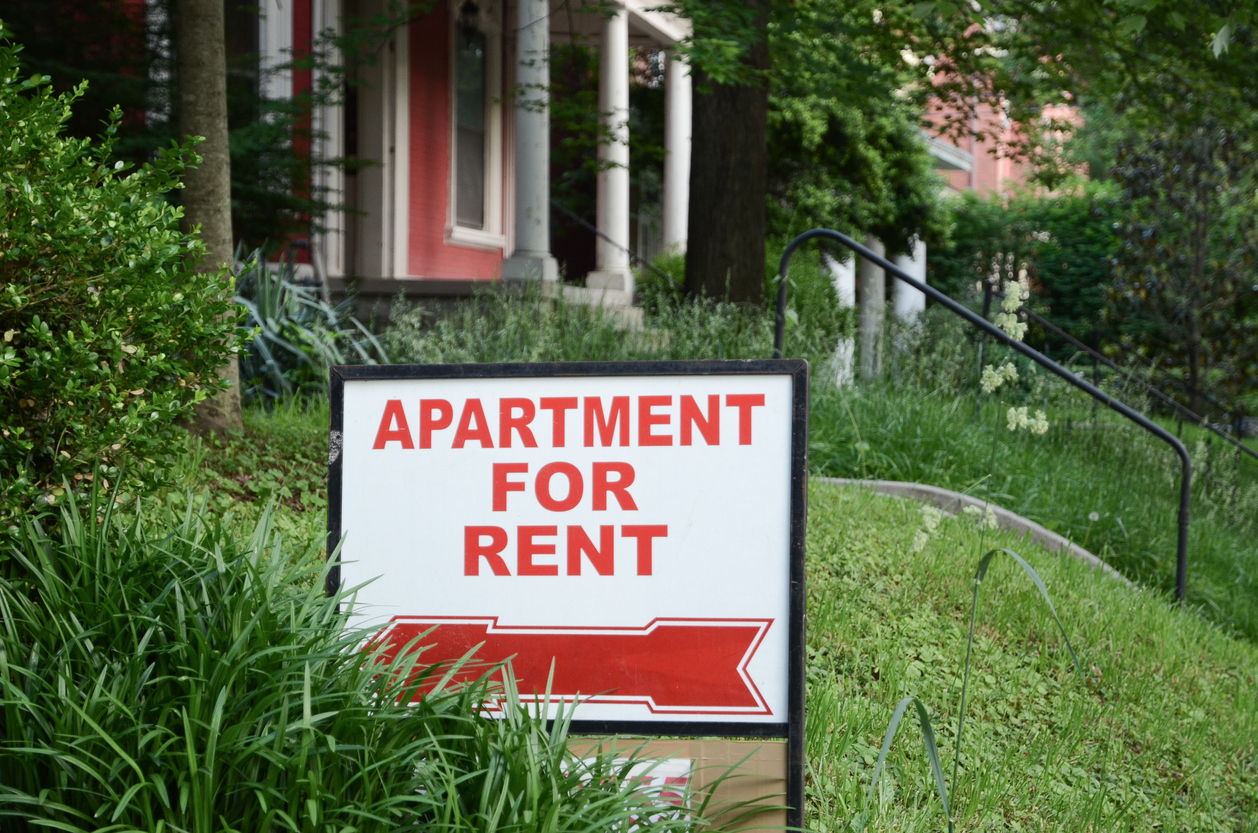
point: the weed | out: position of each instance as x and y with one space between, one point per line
295 335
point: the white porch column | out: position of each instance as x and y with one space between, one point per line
328 252
843 274
532 258
677 118
873 285
275 47
611 258
909 303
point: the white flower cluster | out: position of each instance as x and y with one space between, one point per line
1008 321
994 377
931 518
1019 419
930 522
1016 293
985 517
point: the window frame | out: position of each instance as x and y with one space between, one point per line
491 236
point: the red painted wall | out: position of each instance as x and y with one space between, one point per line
303 41
429 255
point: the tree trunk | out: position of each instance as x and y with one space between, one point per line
1196 293
726 228
1196 400
202 89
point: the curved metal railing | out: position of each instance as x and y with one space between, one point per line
1185 493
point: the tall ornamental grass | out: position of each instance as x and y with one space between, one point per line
174 677
508 324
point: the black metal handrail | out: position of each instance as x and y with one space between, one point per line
1164 398
1185 489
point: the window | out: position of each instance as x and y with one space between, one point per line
475 202
469 153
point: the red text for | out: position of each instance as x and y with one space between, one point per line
559 487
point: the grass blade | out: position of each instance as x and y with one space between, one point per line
979 575
932 752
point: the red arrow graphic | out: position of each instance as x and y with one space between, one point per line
686 666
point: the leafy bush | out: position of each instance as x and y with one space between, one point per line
194 680
296 334
663 283
108 335
1064 242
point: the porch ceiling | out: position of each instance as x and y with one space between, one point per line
582 21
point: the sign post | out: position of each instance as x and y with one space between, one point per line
631 533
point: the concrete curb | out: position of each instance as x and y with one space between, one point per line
954 503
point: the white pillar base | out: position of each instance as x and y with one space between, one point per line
872 305
843 275
611 248
529 266
845 362
532 258
616 279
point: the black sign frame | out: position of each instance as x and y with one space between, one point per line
793 729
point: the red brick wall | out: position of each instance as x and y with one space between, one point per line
992 170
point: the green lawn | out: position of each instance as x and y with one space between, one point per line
282 457
1112 488
1161 736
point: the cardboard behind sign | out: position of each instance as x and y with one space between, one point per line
741 775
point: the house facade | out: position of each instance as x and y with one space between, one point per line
445 122
446 125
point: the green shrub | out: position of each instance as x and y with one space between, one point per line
1065 242
108 335
663 283
503 325
176 677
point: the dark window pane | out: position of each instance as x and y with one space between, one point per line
469 152
469 196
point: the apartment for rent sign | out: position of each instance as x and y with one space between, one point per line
637 528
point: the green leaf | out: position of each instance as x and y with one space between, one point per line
1222 39
979 575
1132 25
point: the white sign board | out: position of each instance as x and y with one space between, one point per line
637 526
